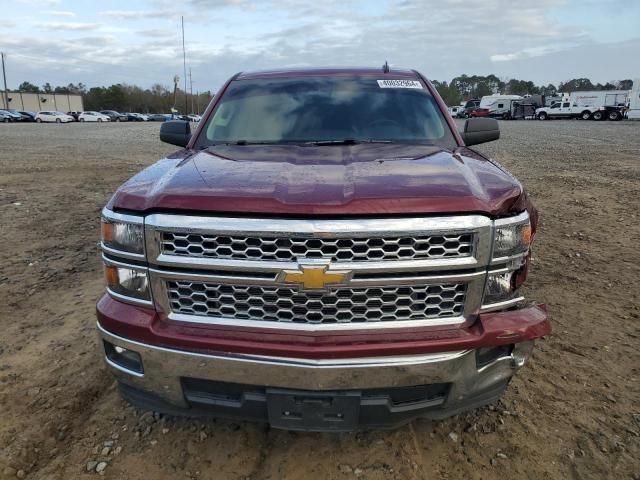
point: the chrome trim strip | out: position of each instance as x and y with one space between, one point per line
353 283
132 300
116 263
121 253
317 228
314 327
122 217
359 362
204 263
112 364
500 305
520 218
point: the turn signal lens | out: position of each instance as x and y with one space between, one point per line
111 275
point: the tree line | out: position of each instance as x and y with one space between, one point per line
129 98
466 87
160 99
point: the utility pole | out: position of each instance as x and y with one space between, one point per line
191 89
184 66
4 76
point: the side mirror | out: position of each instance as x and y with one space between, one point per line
480 130
175 132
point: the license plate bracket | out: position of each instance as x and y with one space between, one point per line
313 411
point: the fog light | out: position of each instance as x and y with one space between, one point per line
123 358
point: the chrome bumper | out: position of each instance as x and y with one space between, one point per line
163 369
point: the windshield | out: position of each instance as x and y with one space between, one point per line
326 109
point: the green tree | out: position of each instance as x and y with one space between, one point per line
28 87
449 94
47 88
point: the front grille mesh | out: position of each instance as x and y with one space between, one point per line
335 249
338 305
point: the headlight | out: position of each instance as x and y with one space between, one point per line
129 282
512 236
125 233
500 288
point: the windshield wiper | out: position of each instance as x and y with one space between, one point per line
346 141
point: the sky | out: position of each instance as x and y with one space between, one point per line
139 41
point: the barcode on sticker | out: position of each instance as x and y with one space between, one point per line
399 84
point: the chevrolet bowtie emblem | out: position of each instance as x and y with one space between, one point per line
314 277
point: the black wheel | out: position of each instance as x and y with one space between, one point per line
82 119
597 115
100 120
614 115
542 116
38 120
117 119
58 120
5 120
586 115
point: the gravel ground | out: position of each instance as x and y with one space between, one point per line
573 412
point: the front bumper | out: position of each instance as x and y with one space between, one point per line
381 390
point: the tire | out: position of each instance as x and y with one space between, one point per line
597 115
117 119
586 115
58 120
82 119
38 120
5 120
100 120
542 116
505 116
614 115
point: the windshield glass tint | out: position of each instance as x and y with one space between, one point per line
316 109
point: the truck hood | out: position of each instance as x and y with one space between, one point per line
364 179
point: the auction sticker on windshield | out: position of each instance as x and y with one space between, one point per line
399 84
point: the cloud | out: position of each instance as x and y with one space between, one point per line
59 13
67 26
137 14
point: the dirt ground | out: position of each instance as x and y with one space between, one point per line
573 412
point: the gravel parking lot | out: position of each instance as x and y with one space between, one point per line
573 412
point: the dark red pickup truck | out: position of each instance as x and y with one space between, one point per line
325 253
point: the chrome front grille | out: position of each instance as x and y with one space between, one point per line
291 248
338 305
318 274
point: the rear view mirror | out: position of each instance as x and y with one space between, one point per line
175 132
480 130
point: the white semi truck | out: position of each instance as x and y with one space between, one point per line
633 102
596 105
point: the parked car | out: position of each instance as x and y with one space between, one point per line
91 116
194 118
133 117
19 116
75 115
13 115
115 116
137 117
52 116
479 112
469 106
333 256
5 117
30 116
159 117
